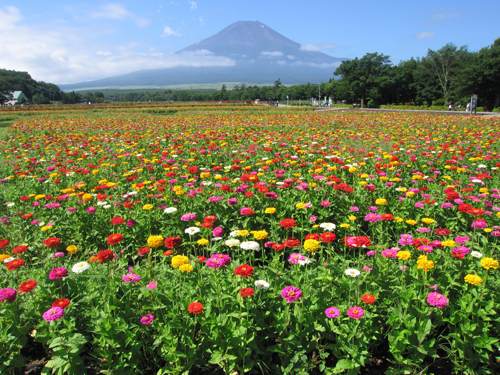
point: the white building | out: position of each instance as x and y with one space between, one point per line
16 96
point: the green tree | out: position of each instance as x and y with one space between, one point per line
363 75
445 65
5 91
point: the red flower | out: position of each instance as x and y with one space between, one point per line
172 242
62 303
248 194
246 292
291 242
117 220
457 255
105 256
452 195
52 242
195 308
27 216
15 264
210 219
387 217
312 236
278 246
464 207
115 239
24 199
368 298
288 223
359 241
207 224
27 286
20 249
143 250
328 237
168 253
246 211
244 270
4 244
201 259
417 242
442 232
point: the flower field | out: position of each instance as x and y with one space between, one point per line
271 242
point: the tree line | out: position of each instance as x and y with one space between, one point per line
448 75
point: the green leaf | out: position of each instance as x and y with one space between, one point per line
344 364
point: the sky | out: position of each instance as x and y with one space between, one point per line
68 42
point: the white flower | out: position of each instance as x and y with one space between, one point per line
80 267
250 245
192 230
41 224
133 193
106 206
170 210
482 166
234 233
101 203
215 239
232 243
352 272
8 260
303 262
328 226
476 254
10 204
261 284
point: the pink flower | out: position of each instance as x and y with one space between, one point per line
295 257
325 203
188 217
426 248
8 295
371 253
355 312
57 255
152 285
218 260
131 278
58 273
332 312
390 253
291 294
54 313
437 299
372 217
367 269
147 319
218 232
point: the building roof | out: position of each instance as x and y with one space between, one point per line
17 94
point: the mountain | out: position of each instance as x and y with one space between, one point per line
244 52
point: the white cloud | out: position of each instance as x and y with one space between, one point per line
424 35
60 54
318 47
193 5
443 16
202 23
141 22
167 31
272 54
113 11
316 65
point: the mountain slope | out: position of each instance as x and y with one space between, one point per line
257 54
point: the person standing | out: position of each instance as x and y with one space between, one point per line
467 109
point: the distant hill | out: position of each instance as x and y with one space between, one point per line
259 53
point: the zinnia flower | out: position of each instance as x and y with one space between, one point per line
473 279
52 242
15 264
27 286
261 284
147 319
311 245
291 294
368 298
58 273
114 239
155 241
246 292
54 313
436 299
105 256
352 272
131 278
62 303
195 308
488 263
8 294
288 223
244 270
80 267
179 260
173 242
332 312
355 312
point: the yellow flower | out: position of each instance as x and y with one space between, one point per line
411 222
424 263
272 210
345 225
39 196
381 201
147 207
352 218
185 267
427 220
260 234
72 249
311 245
473 279
363 183
489 263
87 197
300 205
410 193
155 241
448 243
180 192
45 228
403 255
179 260
398 219
353 169
243 233
3 257
487 230
203 242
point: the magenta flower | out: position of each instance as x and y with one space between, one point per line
355 312
291 294
462 240
8 295
218 232
295 257
54 313
58 255
426 248
152 285
58 273
406 239
371 253
479 224
90 210
390 253
332 312
372 217
437 299
131 278
147 319
218 260
325 203
131 223
188 217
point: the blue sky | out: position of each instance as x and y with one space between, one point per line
65 42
